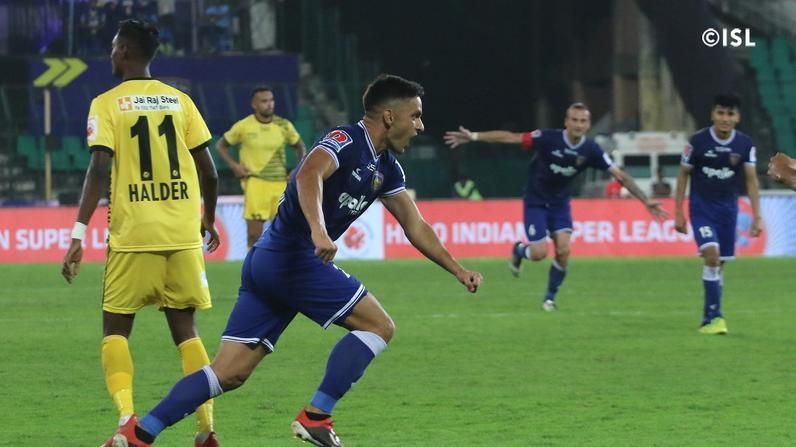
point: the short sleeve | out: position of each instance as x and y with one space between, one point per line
99 128
688 153
233 135
196 132
529 138
333 143
291 135
394 180
751 156
600 159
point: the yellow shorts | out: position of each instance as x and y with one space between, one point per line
261 198
169 279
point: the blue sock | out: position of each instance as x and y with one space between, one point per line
554 280
347 362
183 399
711 279
521 251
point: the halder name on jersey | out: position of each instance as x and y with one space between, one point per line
360 178
717 165
556 163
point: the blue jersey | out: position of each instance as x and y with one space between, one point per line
556 163
361 176
717 166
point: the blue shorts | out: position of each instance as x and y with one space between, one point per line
276 285
713 226
543 220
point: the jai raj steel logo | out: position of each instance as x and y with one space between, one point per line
732 37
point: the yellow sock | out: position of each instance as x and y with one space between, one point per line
118 367
194 357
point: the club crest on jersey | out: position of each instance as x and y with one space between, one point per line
337 140
580 160
378 180
735 159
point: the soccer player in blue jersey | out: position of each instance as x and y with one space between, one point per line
560 155
290 269
720 161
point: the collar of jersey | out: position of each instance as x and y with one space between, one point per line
361 124
566 141
719 140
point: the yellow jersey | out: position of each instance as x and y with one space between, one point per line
262 145
150 128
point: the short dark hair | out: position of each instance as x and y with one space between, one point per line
575 106
387 87
261 88
142 34
729 100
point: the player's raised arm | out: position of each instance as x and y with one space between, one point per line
96 181
679 198
208 177
628 182
423 237
455 138
318 166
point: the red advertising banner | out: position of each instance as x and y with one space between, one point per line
467 228
44 235
617 227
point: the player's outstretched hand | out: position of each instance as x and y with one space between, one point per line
209 228
657 210
680 223
454 138
471 279
324 247
782 169
71 266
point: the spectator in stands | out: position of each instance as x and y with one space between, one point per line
782 169
167 10
262 167
146 10
89 24
661 189
111 16
216 28
128 9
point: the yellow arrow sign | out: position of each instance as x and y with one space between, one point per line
60 72
75 67
54 68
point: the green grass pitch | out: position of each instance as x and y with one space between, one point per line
621 363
